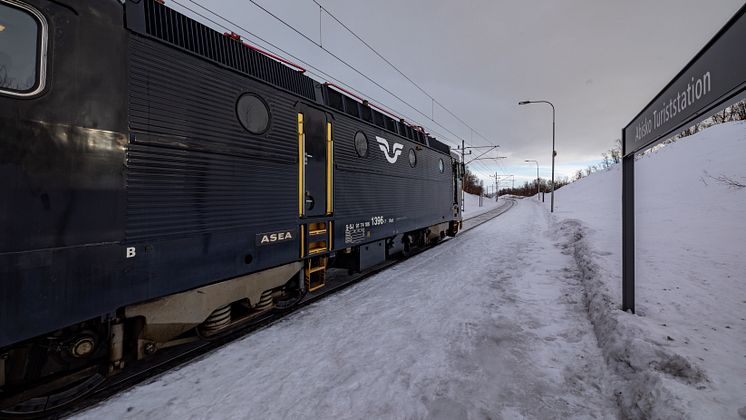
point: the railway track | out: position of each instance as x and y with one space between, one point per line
477 220
169 359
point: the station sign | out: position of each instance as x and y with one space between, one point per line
716 74
714 78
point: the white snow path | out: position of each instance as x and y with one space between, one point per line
490 324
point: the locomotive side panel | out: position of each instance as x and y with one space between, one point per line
61 165
201 189
62 172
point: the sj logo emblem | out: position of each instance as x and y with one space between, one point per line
391 153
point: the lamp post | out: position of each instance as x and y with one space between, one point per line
538 186
554 152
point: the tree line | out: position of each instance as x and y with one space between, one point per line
735 112
530 188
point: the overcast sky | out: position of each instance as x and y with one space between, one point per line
599 61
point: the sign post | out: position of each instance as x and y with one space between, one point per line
716 75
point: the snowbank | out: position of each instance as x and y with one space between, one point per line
684 353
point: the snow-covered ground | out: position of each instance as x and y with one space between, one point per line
517 318
491 324
684 353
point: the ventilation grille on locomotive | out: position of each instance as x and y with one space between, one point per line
158 21
344 103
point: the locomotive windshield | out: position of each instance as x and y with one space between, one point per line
20 55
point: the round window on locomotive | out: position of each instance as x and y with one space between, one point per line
441 166
412 158
252 113
361 144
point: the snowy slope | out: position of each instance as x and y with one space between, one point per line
687 343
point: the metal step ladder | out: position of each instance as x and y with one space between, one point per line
315 247
315 272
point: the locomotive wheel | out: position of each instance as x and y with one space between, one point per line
54 395
295 297
407 251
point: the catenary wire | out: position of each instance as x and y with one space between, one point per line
387 61
322 74
317 72
353 68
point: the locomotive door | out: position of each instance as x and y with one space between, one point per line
315 163
315 187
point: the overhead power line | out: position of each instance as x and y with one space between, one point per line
318 72
318 44
353 68
387 61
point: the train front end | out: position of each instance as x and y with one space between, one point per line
63 133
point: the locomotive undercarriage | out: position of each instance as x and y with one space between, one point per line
50 372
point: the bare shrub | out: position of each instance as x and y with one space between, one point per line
729 182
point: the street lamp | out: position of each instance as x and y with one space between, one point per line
538 186
554 152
